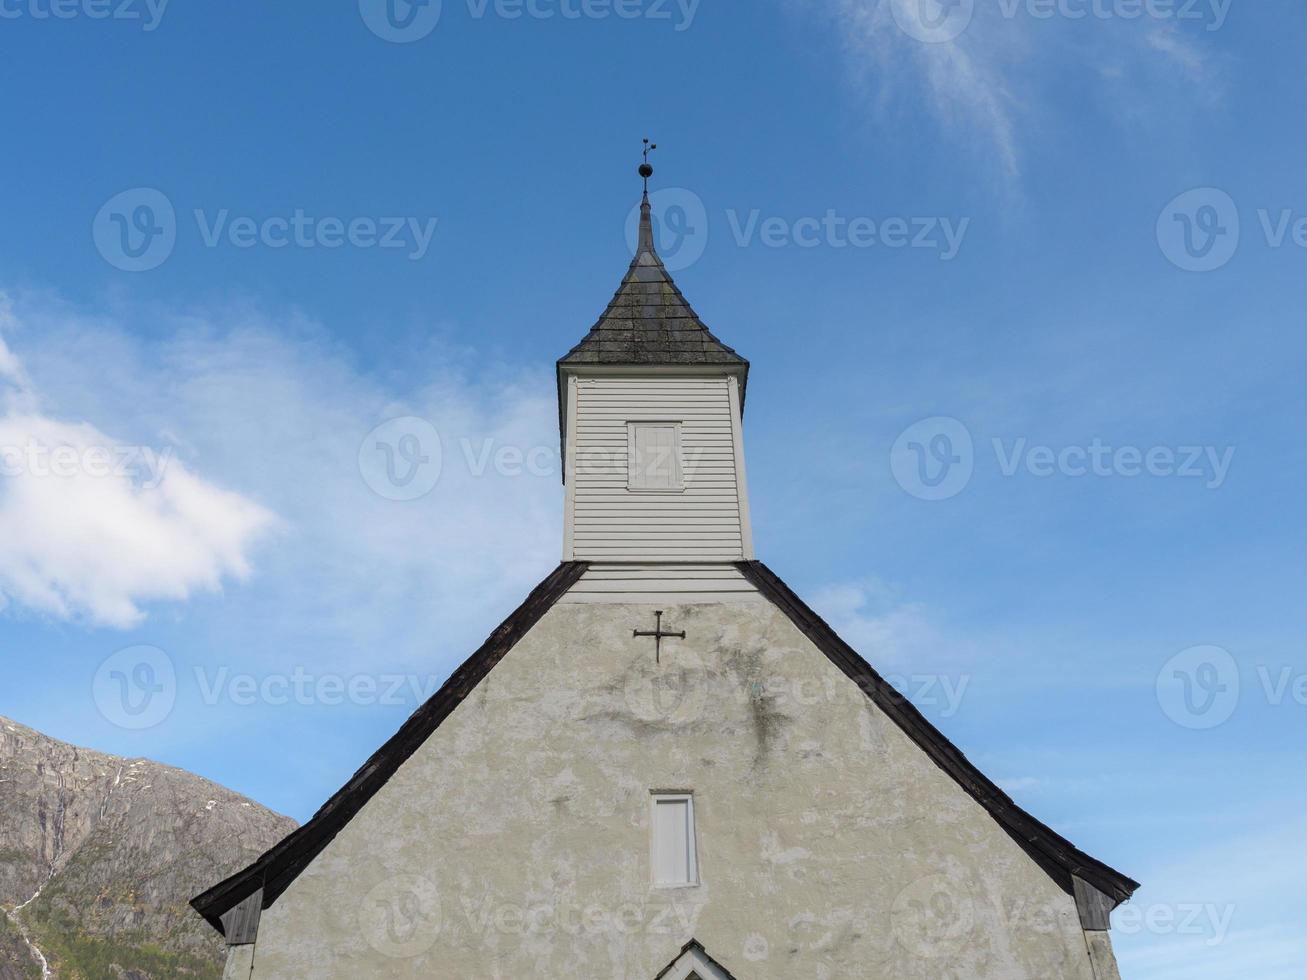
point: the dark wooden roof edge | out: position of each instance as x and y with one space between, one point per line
1055 854
697 946
279 866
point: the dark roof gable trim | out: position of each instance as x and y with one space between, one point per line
275 870
1054 853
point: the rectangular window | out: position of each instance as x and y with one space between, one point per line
654 456
674 861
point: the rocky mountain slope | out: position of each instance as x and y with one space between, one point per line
99 856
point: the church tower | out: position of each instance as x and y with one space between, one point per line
664 765
651 408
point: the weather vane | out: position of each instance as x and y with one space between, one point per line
646 169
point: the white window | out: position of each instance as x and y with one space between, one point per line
654 456
673 851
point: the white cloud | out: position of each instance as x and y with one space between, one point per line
271 405
93 528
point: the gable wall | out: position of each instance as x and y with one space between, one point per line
609 522
515 842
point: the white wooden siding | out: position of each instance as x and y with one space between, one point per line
610 521
668 584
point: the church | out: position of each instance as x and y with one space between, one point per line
664 765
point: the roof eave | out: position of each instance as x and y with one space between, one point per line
281 864
1061 859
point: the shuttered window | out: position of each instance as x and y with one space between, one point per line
654 456
674 860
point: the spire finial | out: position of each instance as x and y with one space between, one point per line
646 242
646 169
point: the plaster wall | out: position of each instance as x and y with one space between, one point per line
515 842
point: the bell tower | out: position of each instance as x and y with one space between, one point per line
651 405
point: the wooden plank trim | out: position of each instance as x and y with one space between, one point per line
240 924
741 480
1094 907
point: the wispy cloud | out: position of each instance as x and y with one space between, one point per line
894 634
1230 909
984 68
963 81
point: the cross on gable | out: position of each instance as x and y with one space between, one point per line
658 633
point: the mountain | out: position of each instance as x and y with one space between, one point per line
99 855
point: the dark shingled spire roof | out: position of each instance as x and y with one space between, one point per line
649 321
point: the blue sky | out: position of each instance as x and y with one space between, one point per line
804 147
